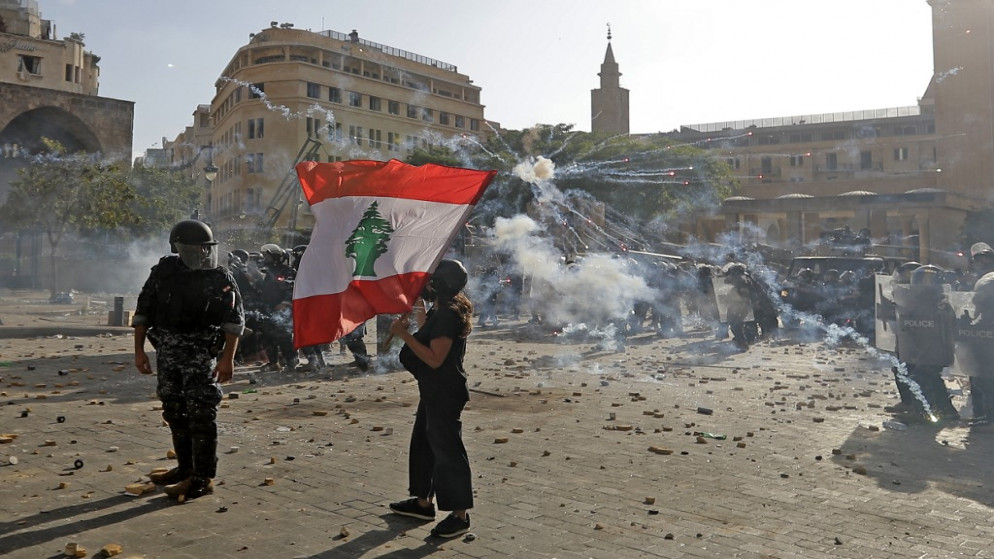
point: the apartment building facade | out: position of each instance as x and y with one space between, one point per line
292 95
910 175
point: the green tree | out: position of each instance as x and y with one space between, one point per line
162 197
368 241
60 193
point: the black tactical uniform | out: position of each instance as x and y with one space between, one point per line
276 316
191 311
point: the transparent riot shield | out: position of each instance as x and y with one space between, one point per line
925 324
974 338
885 313
731 303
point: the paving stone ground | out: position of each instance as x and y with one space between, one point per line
577 451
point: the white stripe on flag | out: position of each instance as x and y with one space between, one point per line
422 232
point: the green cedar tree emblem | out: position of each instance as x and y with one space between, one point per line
368 241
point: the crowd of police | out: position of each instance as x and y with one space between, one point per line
265 280
942 319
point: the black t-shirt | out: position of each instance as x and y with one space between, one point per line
449 379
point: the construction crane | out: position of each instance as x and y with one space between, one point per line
288 193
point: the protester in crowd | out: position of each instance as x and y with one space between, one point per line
438 464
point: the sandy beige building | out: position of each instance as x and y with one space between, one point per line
292 95
909 175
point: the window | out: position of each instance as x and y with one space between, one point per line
338 132
255 128
376 138
29 64
258 90
413 111
392 141
313 127
474 125
238 94
796 160
254 162
443 118
355 99
355 135
374 103
832 161
866 160
460 121
427 115
836 135
313 90
69 72
766 165
900 154
334 95
393 107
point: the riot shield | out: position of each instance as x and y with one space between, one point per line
886 314
925 324
731 303
974 339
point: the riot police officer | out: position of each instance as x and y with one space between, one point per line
276 299
191 311
982 375
926 323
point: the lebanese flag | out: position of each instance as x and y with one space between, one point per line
380 229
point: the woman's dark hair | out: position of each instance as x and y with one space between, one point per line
462 307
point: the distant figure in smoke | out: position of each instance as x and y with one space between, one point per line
764 309
741 304
357 345
982 385
512 295
439 466
926 323
249 346
707 304
489 292
276 320
902 276
191 311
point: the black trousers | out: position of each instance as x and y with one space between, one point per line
438 464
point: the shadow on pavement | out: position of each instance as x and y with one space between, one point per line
368 541
14 538
955 460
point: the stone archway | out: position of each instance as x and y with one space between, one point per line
27 129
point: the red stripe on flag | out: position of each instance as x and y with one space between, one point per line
392 179
323 319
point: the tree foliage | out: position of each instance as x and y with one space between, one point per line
646 179
162 198
62 193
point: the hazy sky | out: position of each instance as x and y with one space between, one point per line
684 61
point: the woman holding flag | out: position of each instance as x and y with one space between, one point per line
438 464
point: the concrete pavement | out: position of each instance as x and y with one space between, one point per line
577 452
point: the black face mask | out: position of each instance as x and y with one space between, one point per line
428 293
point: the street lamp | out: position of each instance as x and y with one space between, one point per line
210 172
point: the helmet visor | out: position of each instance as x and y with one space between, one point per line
198 257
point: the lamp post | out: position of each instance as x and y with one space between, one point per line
210 173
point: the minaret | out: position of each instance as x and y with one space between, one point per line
609 103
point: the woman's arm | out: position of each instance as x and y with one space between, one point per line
433 355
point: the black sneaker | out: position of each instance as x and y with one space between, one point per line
451 527
411 508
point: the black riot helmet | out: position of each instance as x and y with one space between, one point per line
273 254
902 274
449 277
927 275
190 232
194 241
